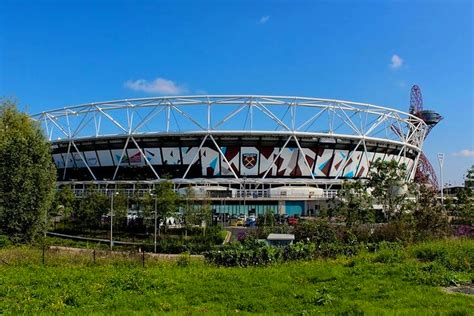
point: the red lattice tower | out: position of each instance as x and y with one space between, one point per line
425 172
416 100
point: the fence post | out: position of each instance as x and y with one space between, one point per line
93 253
143 259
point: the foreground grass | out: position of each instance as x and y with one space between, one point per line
393 281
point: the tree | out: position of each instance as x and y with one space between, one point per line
27 175
167 200
147 208
205 214
190 211
465 203
389 187
356 203
268 218
429 217
469 178
63 203
92 206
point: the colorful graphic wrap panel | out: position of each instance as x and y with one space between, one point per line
232 155
287 163
105 158
210 162
69 160
324 162
91 158
310 155
267 155
244 161
340 158
135 157
352 164
364 165
188 153
78 160
153 155
171 156
58 160
116 154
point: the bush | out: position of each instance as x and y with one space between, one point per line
252 252
332 250
299 251
453 255
4 241
433 274
392 232
390 253
464 231
184 259
319 231
243 255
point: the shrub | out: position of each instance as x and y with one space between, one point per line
392 232
319 231
299 251
390 253
252 254
4 241
332 250
464 231
184 259
453 255
431 274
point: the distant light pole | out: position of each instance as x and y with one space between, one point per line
441 161
156 218
245 194
112 219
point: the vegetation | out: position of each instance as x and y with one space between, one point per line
27 175
63 203
389 187
393 280
430 219
356 203
168 201
469 178
91 208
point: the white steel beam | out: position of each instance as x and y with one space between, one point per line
223 156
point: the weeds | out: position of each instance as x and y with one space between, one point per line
392 280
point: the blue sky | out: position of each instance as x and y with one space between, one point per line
58 53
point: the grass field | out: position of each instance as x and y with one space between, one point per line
392 281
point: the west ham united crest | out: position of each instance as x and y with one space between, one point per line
249 160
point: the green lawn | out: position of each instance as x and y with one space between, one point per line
389 282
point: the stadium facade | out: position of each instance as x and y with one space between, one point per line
245 154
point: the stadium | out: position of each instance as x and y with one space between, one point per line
245 154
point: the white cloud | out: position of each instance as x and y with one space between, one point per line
159 86
396 62
264 19
464 153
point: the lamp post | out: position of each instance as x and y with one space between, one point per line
245 194
441 161
112 219
155 219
